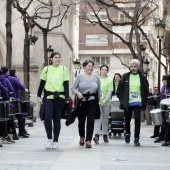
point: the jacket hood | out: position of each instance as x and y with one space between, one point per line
2 78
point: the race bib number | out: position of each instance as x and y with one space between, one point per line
134 95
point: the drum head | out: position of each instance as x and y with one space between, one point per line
155 110
165 102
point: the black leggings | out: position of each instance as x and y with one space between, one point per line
86 110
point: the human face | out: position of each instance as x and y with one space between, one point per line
164 82
134 68
103 71
56 60
89 68
117 78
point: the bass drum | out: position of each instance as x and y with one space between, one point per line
156 116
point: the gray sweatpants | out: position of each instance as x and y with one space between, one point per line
105 111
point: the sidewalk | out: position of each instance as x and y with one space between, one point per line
30 154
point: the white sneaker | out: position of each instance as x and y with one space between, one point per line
48 145
55 145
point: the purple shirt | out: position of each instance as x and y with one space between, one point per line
165 90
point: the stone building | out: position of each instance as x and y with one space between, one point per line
63 40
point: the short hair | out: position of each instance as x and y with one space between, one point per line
135 61
86 62
54 53
12 72
4 69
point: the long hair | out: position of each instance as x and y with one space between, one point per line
166 77
117 74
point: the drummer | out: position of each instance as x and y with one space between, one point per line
16 84
5 96
163 94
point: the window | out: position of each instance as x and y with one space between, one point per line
98 61
102 16
125 36
96 40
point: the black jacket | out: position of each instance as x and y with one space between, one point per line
123 91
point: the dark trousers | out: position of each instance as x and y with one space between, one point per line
11 124
21 124
86 110
128 117
3 127
163 126
167 133
53 111
156 130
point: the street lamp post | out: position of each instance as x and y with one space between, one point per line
49 51
76 66
31 41
142 48
146 67
160 29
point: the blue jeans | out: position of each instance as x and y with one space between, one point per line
53 111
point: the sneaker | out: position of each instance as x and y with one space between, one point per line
23 135
88 144
166 143
55 145
158 140
127 138
15 137
49 143
81 142
136 142
153 136
7 139
96 139
105 139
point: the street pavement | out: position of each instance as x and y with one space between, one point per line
30 154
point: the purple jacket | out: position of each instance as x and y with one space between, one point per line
164 91
16 84
3 90
6 83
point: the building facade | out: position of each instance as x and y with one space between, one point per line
63 40
104 48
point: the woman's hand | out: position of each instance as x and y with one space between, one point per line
39 101
80 96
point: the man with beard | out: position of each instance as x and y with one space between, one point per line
133 92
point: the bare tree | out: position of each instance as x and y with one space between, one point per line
9 33
136 14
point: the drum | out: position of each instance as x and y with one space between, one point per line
25 109
13 107
164 104
3 114
24 96
168 115
156 116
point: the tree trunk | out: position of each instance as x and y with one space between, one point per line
26 54
45 47
8 34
